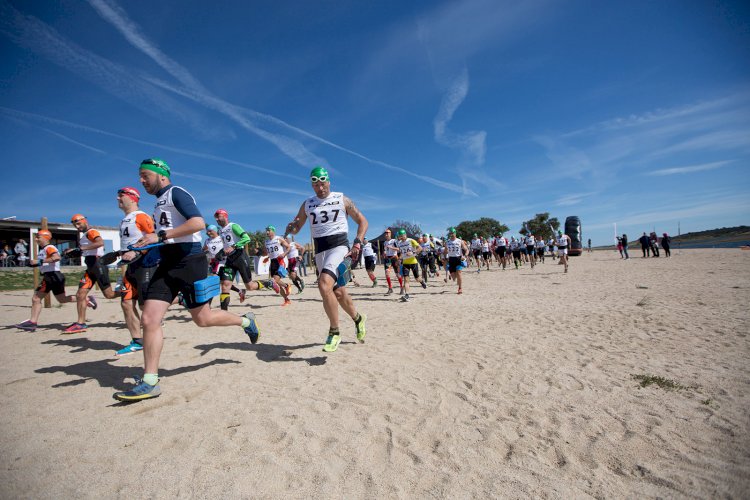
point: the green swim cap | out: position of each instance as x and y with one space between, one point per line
319 172
451 229
401 231
271 228
156 165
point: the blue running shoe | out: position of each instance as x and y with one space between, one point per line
252 330
130 348
27 325
139 392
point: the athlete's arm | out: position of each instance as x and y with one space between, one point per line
242 237
287 247
299 221
96 240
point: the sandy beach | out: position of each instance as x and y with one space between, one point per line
524 386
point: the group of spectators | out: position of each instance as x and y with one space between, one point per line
649 245
16 256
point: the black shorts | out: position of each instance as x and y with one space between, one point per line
516 254
238 263
414 268
477 253
135 280
370 263
52 281
95 274
273 268
500 251
530 250
486 255
390 261
453 264
172 277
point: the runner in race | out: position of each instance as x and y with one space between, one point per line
294 259
234 239
137 274
48 261
563 243
530 243
277 249
455 250
91 247
328 212
408 249
390 260
369 255
178 225
500 245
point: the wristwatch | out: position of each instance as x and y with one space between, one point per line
357 241
162 236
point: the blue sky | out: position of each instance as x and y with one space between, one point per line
634 113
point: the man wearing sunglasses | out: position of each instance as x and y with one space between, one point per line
91 247
178 224
328 213
137 274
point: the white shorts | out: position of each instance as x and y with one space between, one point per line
329 260
563 251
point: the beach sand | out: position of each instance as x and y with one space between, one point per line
522 386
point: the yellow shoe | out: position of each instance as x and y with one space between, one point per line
332 343
360 327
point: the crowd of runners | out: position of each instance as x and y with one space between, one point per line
173 255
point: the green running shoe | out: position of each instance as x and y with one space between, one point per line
332 343
360 328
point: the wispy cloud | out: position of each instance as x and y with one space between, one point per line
159 147
572 199
471 144
194 90
40 38
690 169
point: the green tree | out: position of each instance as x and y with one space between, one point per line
411 228
486 226
540 226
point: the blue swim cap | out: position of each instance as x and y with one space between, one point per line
212 227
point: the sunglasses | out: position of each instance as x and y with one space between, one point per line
77 220
322 178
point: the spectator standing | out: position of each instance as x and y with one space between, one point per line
645 242
665 241
21 250
624 241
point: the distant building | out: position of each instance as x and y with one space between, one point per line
64 235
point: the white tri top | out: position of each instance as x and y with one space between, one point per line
92 234
274 247
390 252
500 241
327 216
214 246
476 244
166 216
293 251
453 247
367 250
129 230
530 240
45 252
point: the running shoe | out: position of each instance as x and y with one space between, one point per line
242 296
360 328
287 302
274 285
390 291
332 343
375 283
288 289
252 330
27 325
424 285
76 328
405 298
130 348
141 391
91 302
301 285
